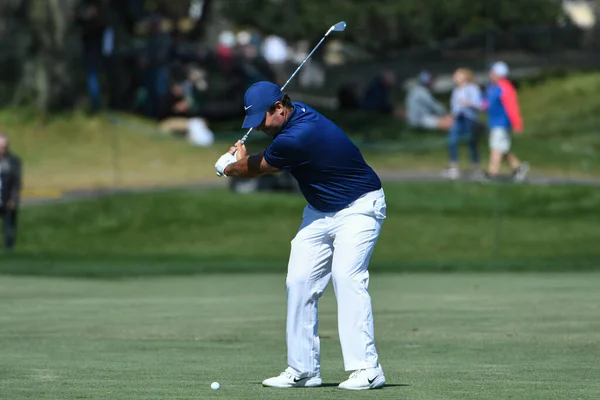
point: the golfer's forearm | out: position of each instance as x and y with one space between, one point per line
245 168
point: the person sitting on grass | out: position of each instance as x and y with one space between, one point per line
378 95
423 111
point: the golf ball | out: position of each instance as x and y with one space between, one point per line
215 385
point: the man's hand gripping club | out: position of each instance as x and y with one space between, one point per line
235 153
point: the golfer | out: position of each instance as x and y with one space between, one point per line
341 224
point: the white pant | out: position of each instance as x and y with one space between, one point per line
337 245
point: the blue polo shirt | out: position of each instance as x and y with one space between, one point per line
329 168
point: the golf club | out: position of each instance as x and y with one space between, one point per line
339 27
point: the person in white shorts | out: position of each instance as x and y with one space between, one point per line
500 140
504 117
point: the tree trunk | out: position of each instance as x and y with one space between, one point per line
595 39
45 78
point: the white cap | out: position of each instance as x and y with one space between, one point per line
500 68
243 37
227 38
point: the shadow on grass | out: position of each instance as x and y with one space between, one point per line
331 384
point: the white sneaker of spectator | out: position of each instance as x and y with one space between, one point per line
451 173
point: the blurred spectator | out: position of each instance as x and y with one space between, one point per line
275 51
91 17
465 104
187 95
256 68
422 109
312 75
179 101
504 117
347 97
378 95
10 192
181 108
225 50
154 62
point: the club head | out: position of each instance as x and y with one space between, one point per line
339 27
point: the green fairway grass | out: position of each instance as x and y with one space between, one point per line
459 336
429 227
75 151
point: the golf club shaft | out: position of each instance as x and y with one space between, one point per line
245 137
340 27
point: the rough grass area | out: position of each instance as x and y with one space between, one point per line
78 152
429 227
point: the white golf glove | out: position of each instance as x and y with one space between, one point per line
224 161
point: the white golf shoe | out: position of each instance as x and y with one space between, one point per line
290 379
363 379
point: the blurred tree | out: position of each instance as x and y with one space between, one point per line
45 79
40 52
594 35
388 24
